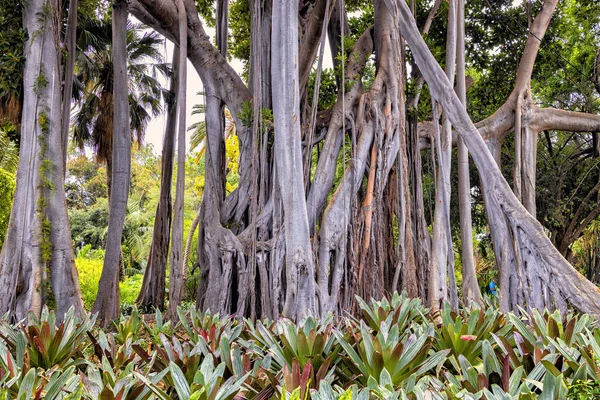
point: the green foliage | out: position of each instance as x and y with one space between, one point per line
7 189
584 390
204 356
12 39
239 26
9 153
90 270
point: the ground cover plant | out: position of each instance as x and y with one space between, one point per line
396 349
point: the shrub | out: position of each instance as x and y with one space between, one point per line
90 270
7 189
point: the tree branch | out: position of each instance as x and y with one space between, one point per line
563 120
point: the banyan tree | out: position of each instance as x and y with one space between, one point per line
294 238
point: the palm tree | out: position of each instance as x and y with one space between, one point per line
93 88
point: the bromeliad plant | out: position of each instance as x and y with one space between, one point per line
306 353
394 350
47 343
385 357
400 309
463 332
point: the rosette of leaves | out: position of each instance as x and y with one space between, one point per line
404 311
463 332
47 344
306 352
385 358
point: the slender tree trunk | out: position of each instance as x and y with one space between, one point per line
300 293
70 37
107 303
37 262
470 286
222 18
178 270
152 292
442 260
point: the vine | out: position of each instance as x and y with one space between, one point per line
46 185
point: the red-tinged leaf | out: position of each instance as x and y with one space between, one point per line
45 332
467 385
11 366
106 394
38 393
304 378
569 329
39 346
295 374
506 373
322 371
246 364
482 382
265 394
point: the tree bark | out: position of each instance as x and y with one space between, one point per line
178 269
152 292
37 263
70 38
470 287
107 303
540 260
300 291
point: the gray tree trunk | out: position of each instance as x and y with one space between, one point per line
178 269
37 263
300 293
107 302
70 38
470 287
540 260
152 292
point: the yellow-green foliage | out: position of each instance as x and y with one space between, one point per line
90 270
7 188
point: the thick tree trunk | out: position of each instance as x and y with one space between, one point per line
107 303
37 262
300 281
152 292
178 269
541 263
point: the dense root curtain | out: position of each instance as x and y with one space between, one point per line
529 260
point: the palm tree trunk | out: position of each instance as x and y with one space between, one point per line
107 302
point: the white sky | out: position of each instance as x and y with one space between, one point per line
156 127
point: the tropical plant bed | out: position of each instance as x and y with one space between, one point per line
395 349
